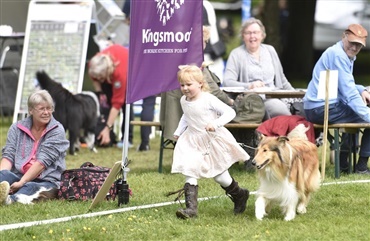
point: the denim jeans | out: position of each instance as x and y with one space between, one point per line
147 114
29 189
341 113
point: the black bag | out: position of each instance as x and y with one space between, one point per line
296 108
249 108
84 183
219 48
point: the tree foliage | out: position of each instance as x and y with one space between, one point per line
289 27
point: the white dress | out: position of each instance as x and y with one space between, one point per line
199 153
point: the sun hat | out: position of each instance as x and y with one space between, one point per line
357 33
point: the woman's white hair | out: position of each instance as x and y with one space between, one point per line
38 97
101 65
251 21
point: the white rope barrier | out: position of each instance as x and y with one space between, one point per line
127 209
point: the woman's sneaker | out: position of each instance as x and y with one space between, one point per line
120 144
4 192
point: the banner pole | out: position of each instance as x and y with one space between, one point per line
125 136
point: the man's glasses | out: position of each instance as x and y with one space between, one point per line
43 109
354 44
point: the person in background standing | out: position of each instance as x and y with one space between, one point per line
215 47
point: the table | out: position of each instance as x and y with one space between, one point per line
268 93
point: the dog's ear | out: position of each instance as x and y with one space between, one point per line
260 136
282 139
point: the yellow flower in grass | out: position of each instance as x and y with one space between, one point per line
51 231
103 229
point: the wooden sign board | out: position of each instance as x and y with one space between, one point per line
55 41
102 193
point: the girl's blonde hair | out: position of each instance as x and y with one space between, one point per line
101 65
193 72
206 33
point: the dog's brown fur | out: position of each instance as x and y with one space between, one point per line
288 172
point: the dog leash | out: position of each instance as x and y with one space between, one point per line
244 145
208 145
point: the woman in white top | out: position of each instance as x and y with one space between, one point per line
255 65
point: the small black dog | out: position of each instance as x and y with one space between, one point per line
75 112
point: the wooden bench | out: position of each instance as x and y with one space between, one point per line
229 125
351 128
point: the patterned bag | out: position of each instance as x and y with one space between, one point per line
84 183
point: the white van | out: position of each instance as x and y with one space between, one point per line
332 17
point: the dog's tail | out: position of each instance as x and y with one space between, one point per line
299 132
95 98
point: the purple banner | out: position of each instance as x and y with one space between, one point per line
163 35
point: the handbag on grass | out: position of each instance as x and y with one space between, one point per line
84 183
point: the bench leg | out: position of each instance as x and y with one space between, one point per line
350 154
336 148
354 149
164 145
161 153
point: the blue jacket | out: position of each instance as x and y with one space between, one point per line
50 151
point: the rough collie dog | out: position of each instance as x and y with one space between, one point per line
76 113
288 172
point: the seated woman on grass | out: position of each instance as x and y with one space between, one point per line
33 157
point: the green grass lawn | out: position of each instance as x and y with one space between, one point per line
336 212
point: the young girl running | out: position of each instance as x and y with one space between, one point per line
205 148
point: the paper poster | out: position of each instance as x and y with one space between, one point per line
333 85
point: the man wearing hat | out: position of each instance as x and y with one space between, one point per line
350 106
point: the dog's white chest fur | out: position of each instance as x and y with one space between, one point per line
280 192
272 191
